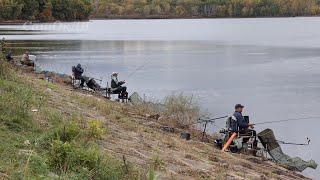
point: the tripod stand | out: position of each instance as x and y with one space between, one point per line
204 132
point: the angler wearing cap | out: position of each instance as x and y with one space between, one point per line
25 60
116 86
9 57
243 125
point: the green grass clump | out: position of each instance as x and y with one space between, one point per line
88 162
96 129
151 174
65 156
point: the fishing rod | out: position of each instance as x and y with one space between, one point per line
287 120
290 143
139 68
86 70
207 120
297 144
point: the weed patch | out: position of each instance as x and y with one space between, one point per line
96 129
181 110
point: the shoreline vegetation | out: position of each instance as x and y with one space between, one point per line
21 22
18 11
50 130
205 8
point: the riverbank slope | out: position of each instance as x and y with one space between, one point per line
51 130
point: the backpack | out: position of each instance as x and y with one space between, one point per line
92 84
232 124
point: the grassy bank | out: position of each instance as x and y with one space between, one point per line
51 131
38 140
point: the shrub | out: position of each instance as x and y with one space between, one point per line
68 158
65 133
68 132
61 155
65 156
181 110
96 129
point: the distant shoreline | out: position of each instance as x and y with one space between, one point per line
20 22
187 17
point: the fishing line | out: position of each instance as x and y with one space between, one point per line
139 68
268 122
287 120
85 69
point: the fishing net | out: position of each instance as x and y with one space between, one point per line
270 143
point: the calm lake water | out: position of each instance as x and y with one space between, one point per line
270 65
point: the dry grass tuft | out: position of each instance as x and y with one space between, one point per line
181 110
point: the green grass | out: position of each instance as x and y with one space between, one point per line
65 148
16 122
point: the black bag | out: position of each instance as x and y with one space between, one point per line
232 124
92 84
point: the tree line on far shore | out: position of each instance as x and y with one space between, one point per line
73 10
45 10
205 8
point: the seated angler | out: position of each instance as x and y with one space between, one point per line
116 86
25 60
243 125
9 56
78 74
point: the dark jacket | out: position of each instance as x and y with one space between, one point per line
115 84
242 123
9 56
77 71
